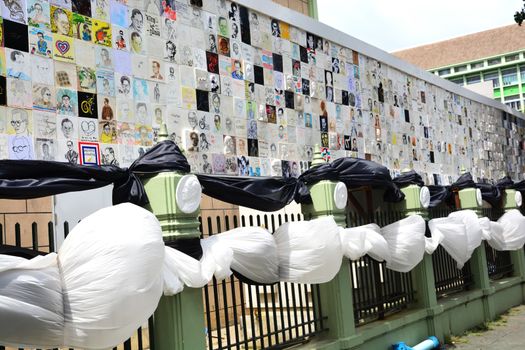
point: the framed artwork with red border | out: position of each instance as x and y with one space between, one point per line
89 153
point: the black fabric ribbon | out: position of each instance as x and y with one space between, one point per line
272 193
263 193
506 182
355 172
409 178
19 252
444 194
25 179
464 181
439 194
490 193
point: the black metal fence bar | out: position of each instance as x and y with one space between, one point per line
448 278
377 291
499 263
242 316
142 339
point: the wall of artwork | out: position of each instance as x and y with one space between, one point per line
90 82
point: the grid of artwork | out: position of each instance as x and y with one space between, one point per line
91 81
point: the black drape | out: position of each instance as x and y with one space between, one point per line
409 178
19 252
490 193
265 194
25 179
464 181
33 179
355 172
438 195
505 183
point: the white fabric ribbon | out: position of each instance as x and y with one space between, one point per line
460 234
508 233
362 240
102 285
112 269
300 252
251 251
309 251
406 242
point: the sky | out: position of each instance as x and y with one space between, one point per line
393 25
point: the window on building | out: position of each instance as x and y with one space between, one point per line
513 57
513 101
522 73
477 65
494 61
492 76
473 79
460 68
458 81
444 71
514 104
509 76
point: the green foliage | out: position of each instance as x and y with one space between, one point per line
519 16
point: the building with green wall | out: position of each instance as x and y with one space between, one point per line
495 56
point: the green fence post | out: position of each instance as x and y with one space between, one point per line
178 320
470 198
517 256
336 295
423 273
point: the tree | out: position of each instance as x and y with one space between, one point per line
519 16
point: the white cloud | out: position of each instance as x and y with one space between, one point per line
397 24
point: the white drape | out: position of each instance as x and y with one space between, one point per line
101 286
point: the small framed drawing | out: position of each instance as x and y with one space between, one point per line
89 153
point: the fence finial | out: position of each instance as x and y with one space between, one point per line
163 132
318 158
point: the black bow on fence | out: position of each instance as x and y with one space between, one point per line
32 179
25 179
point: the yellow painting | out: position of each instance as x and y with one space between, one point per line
61 21
63 49
101 33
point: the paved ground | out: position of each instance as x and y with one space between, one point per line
508 332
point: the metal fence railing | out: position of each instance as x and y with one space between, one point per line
499 263
240 315
377 291
448 278
13 236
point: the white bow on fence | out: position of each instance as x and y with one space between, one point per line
462 232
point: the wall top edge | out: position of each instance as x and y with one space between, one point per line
318 28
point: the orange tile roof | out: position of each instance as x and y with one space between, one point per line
466 48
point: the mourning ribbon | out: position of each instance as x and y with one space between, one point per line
19 252
25 179
409 178
489 192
